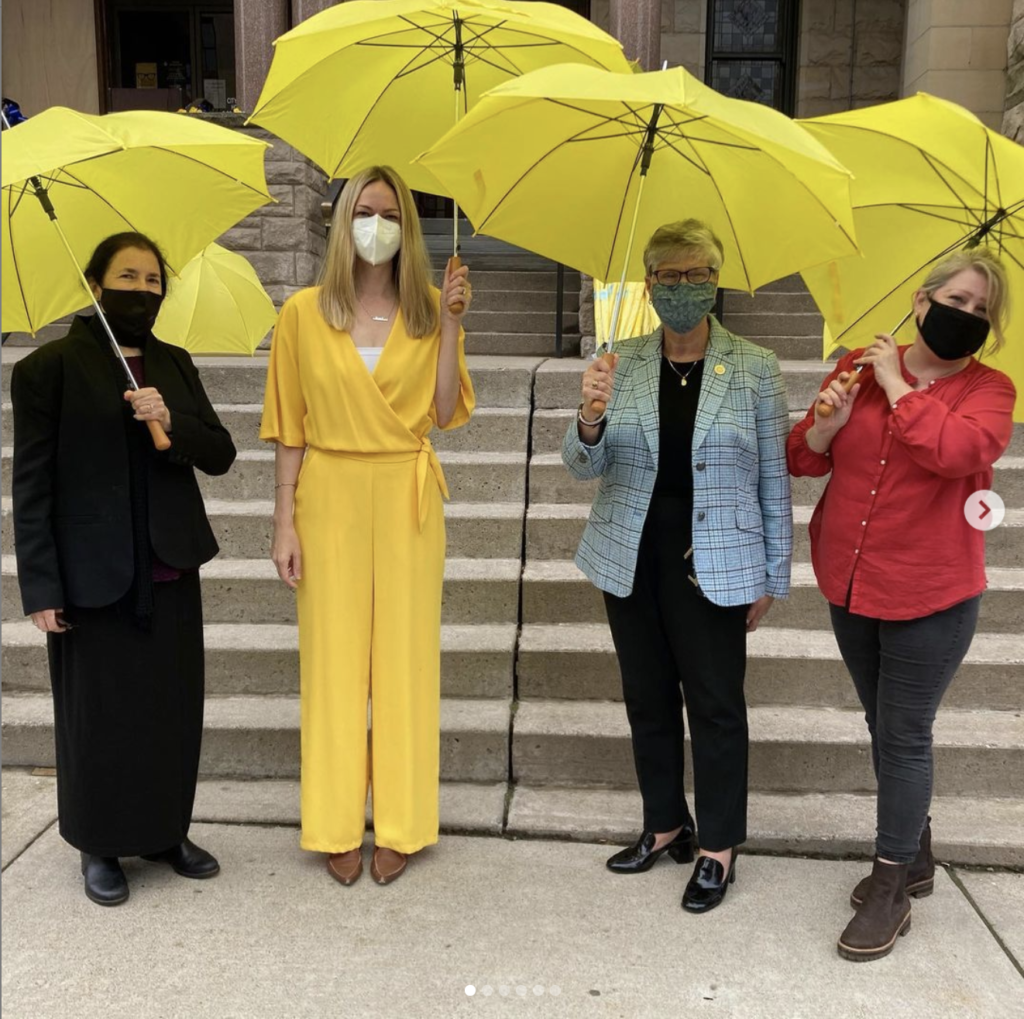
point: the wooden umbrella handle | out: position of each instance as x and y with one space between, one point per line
456 307
597 405
826 410
160 438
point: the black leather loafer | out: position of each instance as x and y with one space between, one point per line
105 882
642 855
188 860
707 887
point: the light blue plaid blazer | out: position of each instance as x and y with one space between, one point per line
742 511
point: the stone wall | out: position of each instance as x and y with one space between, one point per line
1013 118
957 50
850 54
683 34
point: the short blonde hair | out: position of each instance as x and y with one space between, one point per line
989 265
410 267
689 236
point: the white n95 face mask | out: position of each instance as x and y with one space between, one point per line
377 240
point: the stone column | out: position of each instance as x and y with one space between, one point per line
958 51
1013 118
257 24
302 9
637 25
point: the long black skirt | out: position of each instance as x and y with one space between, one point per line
128 712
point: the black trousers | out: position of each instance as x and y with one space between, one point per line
667 633
901 670
128 714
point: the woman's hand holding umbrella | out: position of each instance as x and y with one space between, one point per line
456 293
884 357
149 405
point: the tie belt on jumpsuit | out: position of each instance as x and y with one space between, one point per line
426 460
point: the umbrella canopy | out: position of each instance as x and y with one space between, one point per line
180 181
217 306
929 179
556 162
377 81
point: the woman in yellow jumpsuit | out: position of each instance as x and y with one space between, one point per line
361 367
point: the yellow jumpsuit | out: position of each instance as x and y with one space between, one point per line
370 521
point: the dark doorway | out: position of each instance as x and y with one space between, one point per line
751 50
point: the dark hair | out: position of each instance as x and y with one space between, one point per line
106 250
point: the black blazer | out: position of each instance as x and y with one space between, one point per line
72 508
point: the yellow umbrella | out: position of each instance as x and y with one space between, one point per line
377 81
577 163
70 180
216 306
637 316
929 179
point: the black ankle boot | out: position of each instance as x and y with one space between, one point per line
882 918
105 882
188 860
920 874
642 855
708 885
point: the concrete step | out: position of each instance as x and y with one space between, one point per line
534 301
576 661
519 281
556 591
467 808
505 381
551 482
263 659
790 324
764 302
258 737
517 321
792 749
471 477
250 591
475 530
557 384
983 832
553 531
789 348
540 344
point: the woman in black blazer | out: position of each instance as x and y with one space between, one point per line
109 537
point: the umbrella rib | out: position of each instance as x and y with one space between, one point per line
619 218
17 268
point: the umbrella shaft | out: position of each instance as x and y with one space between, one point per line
625 265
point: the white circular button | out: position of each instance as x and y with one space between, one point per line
984 510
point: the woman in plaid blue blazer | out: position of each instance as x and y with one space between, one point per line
690 539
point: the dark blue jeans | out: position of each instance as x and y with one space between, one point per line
901 670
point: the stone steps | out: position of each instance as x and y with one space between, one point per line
243 528
550 482
557 591
796 750
488 299
479 321
261 659
522 344
553 531
257 737
785 667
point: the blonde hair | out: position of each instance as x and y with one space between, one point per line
989 265
689 236
410 267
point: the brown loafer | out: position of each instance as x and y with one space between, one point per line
387 865
345 867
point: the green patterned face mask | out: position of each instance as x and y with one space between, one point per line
685 306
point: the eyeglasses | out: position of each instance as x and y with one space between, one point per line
673 277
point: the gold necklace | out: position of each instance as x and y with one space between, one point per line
378 318
682 377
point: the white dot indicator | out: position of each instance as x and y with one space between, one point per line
555 990
487 991
538 990
470 990
984 510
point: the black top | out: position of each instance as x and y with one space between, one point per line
677 413
71 479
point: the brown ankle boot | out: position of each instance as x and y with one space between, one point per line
882 918
920 876
345 867
387 865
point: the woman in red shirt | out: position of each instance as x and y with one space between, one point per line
894 554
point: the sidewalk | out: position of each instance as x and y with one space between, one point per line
537 928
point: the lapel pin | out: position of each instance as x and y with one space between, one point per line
719 369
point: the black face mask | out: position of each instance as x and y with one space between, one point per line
952 333
131 314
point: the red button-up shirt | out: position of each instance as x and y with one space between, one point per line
889 529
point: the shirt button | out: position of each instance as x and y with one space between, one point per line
856 551
700 466
873 491
863 523
883 463
700 515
